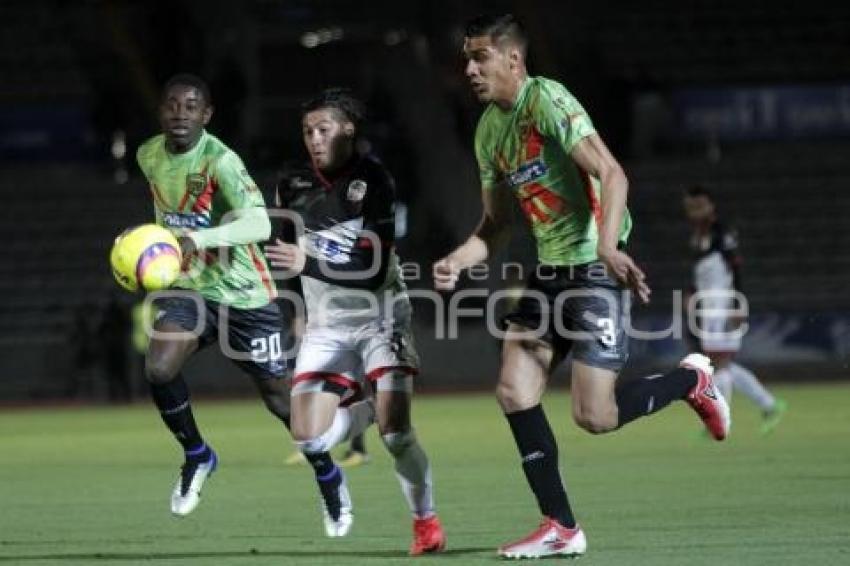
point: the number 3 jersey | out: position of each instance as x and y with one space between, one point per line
346 226
194 191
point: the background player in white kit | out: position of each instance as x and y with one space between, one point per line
358 312
716 272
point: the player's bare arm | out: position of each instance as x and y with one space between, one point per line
493 229
187 248
287 256
593 156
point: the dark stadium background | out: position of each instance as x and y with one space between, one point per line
750 98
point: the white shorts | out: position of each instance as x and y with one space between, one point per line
379 351
717 335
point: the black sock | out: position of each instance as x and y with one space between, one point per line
172 400
539 454
322 464
328 476
358 444
644 396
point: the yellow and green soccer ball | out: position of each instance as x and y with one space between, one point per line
145 257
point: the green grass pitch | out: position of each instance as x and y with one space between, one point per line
90 486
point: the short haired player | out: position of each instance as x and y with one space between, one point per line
535 142
358 312
203 193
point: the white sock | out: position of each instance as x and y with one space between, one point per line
723 380
746 381
361 414
413 472
350 421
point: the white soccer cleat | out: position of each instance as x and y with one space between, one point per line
187 491
339 527
705 398
550 539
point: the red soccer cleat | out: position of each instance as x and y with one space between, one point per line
428 536
550 539
706 399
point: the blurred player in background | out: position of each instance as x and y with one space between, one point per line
535 141
358 312
717 268
356 455
202 192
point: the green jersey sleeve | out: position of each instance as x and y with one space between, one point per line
234 183
248 226
561 117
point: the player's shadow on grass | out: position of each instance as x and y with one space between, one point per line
118 556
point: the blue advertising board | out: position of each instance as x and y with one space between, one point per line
768 112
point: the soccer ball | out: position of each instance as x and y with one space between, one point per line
147 257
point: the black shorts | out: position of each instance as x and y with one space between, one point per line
256 340
577 308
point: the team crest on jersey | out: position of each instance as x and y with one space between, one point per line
356 190
195 183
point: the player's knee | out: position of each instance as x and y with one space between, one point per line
595 421
315 445
504 394
398 442
159 371
511 397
